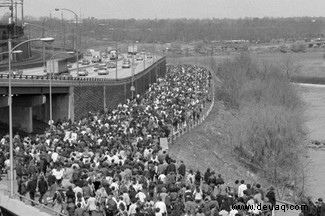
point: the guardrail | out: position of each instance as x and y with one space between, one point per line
73 81
39 204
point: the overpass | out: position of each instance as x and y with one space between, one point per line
72 97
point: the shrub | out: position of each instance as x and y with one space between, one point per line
268 130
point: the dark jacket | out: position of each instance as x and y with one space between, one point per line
42 186
31 186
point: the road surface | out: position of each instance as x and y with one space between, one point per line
121 72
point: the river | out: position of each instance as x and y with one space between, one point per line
314 98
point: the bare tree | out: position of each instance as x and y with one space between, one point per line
290 66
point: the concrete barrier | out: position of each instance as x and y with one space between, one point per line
16 206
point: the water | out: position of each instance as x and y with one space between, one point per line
314 97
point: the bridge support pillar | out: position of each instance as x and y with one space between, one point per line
71 104
23 118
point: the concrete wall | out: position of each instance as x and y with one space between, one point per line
76 101
97 98
17 207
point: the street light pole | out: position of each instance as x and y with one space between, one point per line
116 60
115 46
10 51
76 17
11 148
50 86
132 90
43 35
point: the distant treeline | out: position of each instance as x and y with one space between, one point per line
187 30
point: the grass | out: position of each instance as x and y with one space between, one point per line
204 146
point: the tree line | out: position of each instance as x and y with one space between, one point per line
188 30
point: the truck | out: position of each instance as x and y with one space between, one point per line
57 66
96 57
132 49
89 52
113 55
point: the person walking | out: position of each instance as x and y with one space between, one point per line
31 188
42 188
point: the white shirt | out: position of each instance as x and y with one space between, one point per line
233 212
162 207
58 173
141 196
54 156
132 208
162 177
241 189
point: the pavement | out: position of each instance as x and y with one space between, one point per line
138 66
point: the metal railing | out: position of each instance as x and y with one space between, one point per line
186 127
68 81
40 205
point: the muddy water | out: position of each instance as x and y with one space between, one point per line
314 97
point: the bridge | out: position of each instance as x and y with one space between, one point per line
72 97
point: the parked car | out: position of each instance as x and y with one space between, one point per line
129 55
102 71
126 63
111 64
82 72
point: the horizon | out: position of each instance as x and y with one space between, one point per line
174 9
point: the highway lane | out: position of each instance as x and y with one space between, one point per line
121 72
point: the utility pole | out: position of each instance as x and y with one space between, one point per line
22 12
63 30
43 46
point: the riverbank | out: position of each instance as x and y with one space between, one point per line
314 99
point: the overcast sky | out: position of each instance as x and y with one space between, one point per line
142 9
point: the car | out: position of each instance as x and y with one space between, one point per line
65 76
82 72
85 62
101 65
103 71
139 58
17 72
129 55
111 64
149 56
126 63
69 65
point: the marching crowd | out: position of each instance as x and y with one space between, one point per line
111 163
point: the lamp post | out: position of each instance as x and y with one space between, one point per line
112 29
43 35
76 17
11 51
50 87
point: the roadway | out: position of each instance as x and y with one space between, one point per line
121 72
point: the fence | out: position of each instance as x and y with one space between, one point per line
186 127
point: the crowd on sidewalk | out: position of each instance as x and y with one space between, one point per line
111 163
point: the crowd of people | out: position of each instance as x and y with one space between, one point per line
111 163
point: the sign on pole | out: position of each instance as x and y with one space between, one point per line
132 88
163 143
